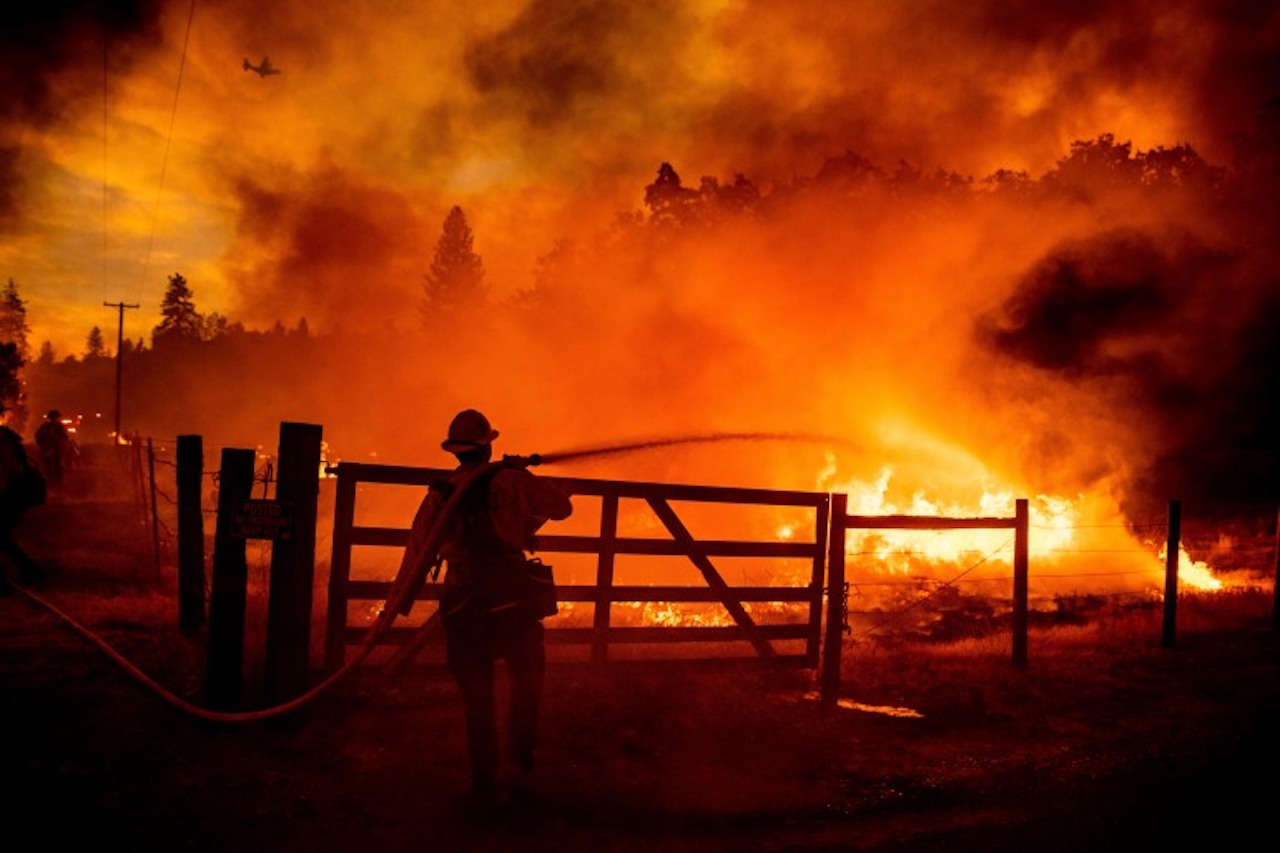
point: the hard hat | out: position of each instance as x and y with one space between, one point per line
469 430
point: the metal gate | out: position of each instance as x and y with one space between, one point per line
797 606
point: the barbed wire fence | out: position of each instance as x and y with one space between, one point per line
154 473
1133 578
892 598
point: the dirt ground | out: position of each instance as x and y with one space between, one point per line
1118 745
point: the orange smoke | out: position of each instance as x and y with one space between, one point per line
1027 248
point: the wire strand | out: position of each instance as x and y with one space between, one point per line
164 160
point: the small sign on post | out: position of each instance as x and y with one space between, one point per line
258 518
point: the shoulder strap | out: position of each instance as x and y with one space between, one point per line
473 512
479 540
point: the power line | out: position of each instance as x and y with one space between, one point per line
173 116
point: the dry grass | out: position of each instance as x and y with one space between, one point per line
640 757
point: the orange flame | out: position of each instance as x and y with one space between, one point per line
1072 540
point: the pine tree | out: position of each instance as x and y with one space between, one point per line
13 320
95 346
181 321
455 287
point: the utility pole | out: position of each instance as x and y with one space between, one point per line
119 357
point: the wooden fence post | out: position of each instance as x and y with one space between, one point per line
822 530
155 510
832 647
225 654
344 512
604 579
139 478
191 602
1020 581
293 560
1170 636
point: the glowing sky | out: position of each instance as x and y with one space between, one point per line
135 145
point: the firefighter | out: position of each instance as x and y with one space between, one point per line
483 540
58 449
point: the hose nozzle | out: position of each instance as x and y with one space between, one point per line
522 461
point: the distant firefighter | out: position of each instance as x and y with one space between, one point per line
58 449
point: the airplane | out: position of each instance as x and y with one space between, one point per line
263 69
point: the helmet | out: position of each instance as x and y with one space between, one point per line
469 430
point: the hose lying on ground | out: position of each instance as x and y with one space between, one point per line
400 590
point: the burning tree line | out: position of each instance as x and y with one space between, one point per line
653 299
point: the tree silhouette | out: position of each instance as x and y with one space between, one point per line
181 321
454 287
94 346
1179 166
671 204
740 197
668 201
13 320
1096 167
1010 181
213 327
848 171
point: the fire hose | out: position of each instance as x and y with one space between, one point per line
403 588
